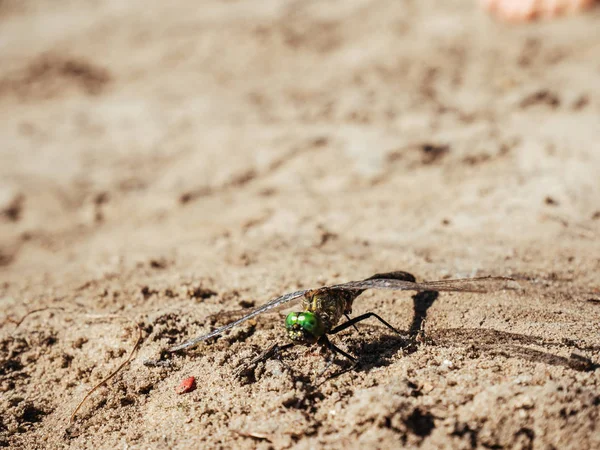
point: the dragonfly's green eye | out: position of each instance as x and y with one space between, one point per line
307 321
291 320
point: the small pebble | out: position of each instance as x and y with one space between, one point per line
447 365
187 385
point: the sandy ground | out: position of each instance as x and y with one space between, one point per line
162 162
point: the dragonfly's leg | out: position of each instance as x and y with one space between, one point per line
271 352
355 327
335 349
359 319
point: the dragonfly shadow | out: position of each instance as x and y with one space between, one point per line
422 301
380 351
486 336
574 361
475 342
512 345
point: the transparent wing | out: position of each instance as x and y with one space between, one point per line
225 317
482 284
261 309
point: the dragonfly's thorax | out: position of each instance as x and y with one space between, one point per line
329 304
323 309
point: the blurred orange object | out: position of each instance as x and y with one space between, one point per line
187 385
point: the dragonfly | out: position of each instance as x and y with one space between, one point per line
324 307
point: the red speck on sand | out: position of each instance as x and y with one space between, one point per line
187 385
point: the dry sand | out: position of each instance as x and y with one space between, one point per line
165 161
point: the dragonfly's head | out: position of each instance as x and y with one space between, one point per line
304 327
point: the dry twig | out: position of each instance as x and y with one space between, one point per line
113 373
